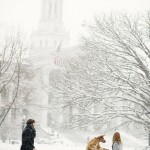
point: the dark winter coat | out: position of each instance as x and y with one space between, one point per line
28 136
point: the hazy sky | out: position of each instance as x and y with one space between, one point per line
26 13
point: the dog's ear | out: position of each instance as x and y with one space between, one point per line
102 136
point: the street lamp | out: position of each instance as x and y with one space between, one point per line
23 122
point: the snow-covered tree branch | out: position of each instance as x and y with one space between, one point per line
12 51
112 79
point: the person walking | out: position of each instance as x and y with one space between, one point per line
28 135
116 142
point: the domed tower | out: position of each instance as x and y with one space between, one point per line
50 33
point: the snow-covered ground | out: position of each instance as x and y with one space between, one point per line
129 143
55 147
44 147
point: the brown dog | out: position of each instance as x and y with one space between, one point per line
94 144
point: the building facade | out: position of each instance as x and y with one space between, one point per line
47 44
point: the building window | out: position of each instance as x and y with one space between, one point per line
55 42
3 95
55 10
50 96
56 29
49 119
33 45
50 9
13 114
41 42
3 111
46 43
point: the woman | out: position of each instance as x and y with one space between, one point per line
116 142
28 136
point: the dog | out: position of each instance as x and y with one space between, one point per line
94 144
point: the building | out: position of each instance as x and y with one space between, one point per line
49 46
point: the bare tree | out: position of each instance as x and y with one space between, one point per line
112 80
12 51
